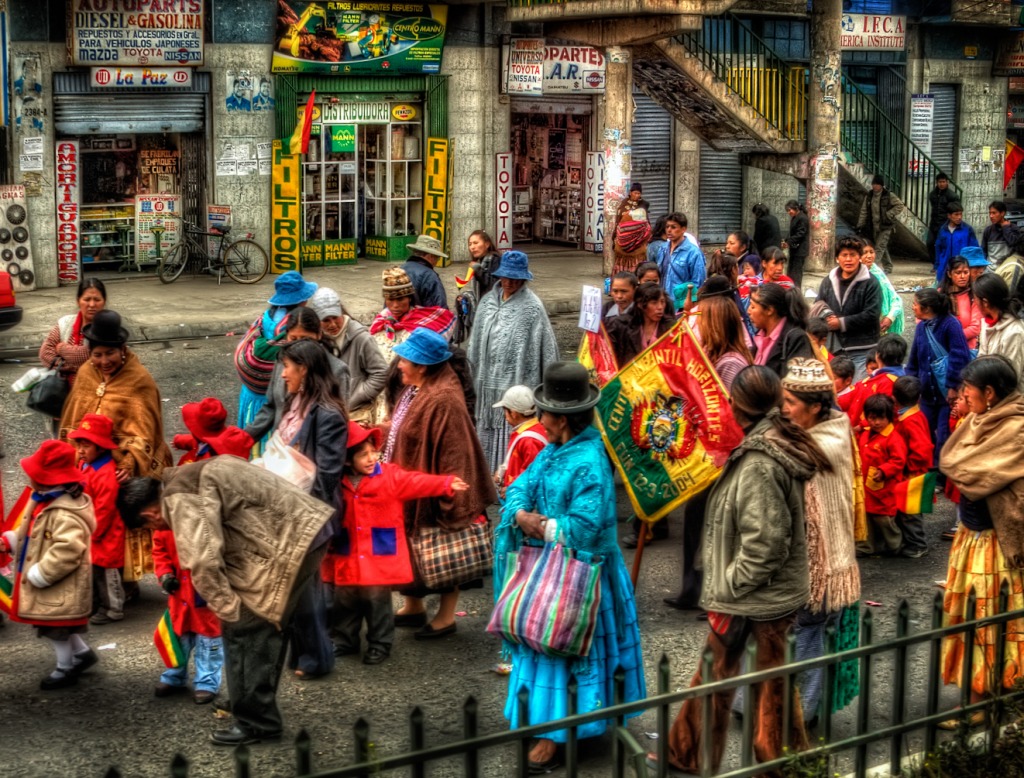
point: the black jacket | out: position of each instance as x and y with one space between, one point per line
939 200
792 343
323 438
799 227
626 336
859 310
767 233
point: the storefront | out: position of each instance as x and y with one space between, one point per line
374 175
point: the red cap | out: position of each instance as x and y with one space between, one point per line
97 429
53 464
231 440
357 433
205 418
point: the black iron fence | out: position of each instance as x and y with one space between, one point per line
913 709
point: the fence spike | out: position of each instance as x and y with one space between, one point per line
787 692
361 736
469 727
706 676
417 740
831 672
969 637
934 678
303 753
618 752
243 762
572 737
664 681
112 772
523 703
864 705
899 695
179 767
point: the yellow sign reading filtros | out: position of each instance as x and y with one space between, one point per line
436 190
284 210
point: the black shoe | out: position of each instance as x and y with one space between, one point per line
410 619
236 736
166 690
375 655
681 603
345 651
630 541
53 681
85 660
429 633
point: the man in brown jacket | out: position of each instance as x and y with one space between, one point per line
248 537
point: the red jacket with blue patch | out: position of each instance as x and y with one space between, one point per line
879 382
100 483
912 426
371 549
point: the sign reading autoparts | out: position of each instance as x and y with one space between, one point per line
533 67
873 32
136 32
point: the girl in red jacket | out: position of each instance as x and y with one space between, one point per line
95 444
370 554
197 627
883 456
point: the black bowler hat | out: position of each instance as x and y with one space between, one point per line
105 330
566 389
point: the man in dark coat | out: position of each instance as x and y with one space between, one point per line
797 241
939 199
877 219
426 252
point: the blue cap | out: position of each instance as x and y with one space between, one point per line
974 255
291 289
514 264
424 347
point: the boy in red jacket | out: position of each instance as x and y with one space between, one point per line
370 553
912 426
197 627
883 455
95 445
843 371
528 438
889 356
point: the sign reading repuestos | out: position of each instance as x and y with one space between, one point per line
136 32
331 36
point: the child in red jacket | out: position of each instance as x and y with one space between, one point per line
883 456
843 371
912 426
95 445
889 356
370 553
197 627
527 440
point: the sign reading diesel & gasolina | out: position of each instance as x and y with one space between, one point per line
136 32
358 37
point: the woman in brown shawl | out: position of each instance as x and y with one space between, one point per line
982 459
114 383
432 432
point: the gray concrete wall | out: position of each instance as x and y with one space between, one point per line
479 126
686 174
248 196
982 122
772 189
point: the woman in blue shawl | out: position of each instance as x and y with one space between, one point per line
568 496
257 363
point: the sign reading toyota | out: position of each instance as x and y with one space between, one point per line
138 33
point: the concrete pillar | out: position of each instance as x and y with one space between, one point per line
615 140
823 112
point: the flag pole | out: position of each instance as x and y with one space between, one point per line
641 541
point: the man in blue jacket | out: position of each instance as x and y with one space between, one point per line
954 236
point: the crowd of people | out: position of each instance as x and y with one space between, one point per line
371 460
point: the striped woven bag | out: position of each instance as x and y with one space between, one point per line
549 602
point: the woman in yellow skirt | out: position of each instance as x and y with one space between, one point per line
982 458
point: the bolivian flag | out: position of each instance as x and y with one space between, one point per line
667 423
18 514
298 141
597 356
916 495
167 643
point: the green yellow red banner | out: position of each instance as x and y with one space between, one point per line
667 423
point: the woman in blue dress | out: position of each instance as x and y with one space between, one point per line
568 495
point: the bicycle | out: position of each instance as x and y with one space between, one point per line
243 260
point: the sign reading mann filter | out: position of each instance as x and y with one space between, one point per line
358 37
129 32
15 240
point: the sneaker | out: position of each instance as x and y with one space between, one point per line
914 553
101 617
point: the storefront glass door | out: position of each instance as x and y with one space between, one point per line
329 190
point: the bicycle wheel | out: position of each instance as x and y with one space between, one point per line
246 262
173 263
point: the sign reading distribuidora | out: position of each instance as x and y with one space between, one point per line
873 32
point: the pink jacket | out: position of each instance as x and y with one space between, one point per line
969 316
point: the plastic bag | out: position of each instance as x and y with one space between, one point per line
31 378
287 462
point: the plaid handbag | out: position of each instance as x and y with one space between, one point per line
447 558
550 601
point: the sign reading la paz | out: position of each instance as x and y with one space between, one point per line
873 32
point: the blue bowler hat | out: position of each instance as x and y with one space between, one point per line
424 347
291 289
974 255
514 264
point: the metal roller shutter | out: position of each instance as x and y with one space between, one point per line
80 110
652 154
944 125
721 195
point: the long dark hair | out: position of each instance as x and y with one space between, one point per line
993 370
91 283
658 233
757 394
644 295
308 319
934 300
722 263
321 386
993 290
721 328
787 303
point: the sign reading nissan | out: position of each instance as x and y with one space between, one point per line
139 33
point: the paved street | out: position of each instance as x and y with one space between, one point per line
108 717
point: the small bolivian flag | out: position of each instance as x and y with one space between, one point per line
6 589
167 643
916 495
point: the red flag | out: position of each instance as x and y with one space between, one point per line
1014 156
298 143
596 355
